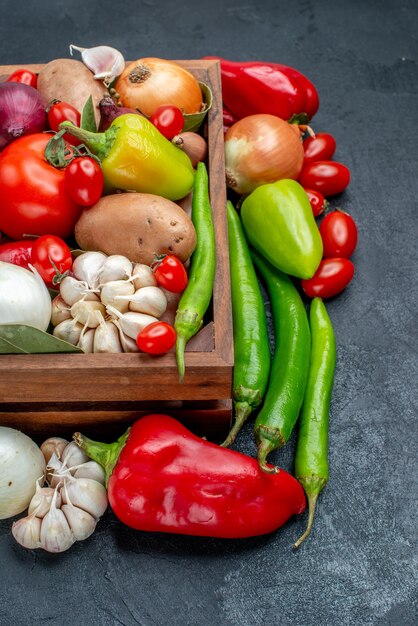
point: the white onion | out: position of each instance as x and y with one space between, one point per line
21 465
24 298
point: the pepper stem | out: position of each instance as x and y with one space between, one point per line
263 449
312 499
180 346
98 143
105 454
242 411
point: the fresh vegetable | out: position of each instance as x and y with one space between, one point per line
290 366
72 82
193 145
328 177
51 257
148 83
21 465
21 112
311 462
61 112
318 202
332 276
157 338
251 341
149 300
170 273
105 62
88 268
115 267
24 298
26 175
138 226
136 157
131 322
84 181
339 234
168 119
213 492
321 147
25 77
17 252
109 111
261 149
279 223
198 293
260 87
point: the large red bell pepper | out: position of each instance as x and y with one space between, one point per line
161 477
257 87
17 252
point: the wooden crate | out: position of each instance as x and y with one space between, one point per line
101 393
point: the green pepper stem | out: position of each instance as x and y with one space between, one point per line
98 143
180 346
312 499
242 411
263 449
106 454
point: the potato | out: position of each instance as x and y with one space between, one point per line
137 225
70 81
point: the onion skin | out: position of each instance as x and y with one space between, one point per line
261 149
193 145
150 82
21 112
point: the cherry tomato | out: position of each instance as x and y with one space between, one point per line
26 77
328 177
170 274
339 234
52 258
168 119
84 181
331 277
156 338
317 200
61 112
319 148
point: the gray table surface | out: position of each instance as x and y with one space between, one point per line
360 565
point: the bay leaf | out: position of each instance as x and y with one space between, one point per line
88 120
23 339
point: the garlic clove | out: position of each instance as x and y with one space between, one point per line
87 494
60 311
86 340
106 339
128 344
57 472
27 531
87 267
115 288
81 523
51 445
149 300
92 470
88 313
72 290
68 330
74 456
131 323
105 62
55 534
143 276
41 501
116 267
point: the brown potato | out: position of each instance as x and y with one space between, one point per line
70 81
137 225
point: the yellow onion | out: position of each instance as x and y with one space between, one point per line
149 83
261 149
193 145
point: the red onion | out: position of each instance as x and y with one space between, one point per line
109 111
21 112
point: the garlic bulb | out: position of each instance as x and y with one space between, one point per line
105 62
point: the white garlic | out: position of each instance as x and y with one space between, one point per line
92 470
57 471
105 62
60 311
81 523
86 340
149 300
106 338
143 276
116 267
68 330
73 455
87 494
128 344
51 445
88 313
131 323
41 501
27 531
56 534
115 288
72 290
87 267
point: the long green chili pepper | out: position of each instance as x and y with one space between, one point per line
311 462
197 295
251 341
290 367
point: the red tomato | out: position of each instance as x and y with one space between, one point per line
52 258
34 200
339 234
317 200
84 181
331 277
63 112
26 77
328 177
319 148
170 274
168 119
156 338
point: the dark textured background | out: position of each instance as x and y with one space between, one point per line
359 566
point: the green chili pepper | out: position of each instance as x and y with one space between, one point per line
251 341
311 463
197 295
290 367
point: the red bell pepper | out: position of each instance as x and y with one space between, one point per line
17 252
161 477
258 87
